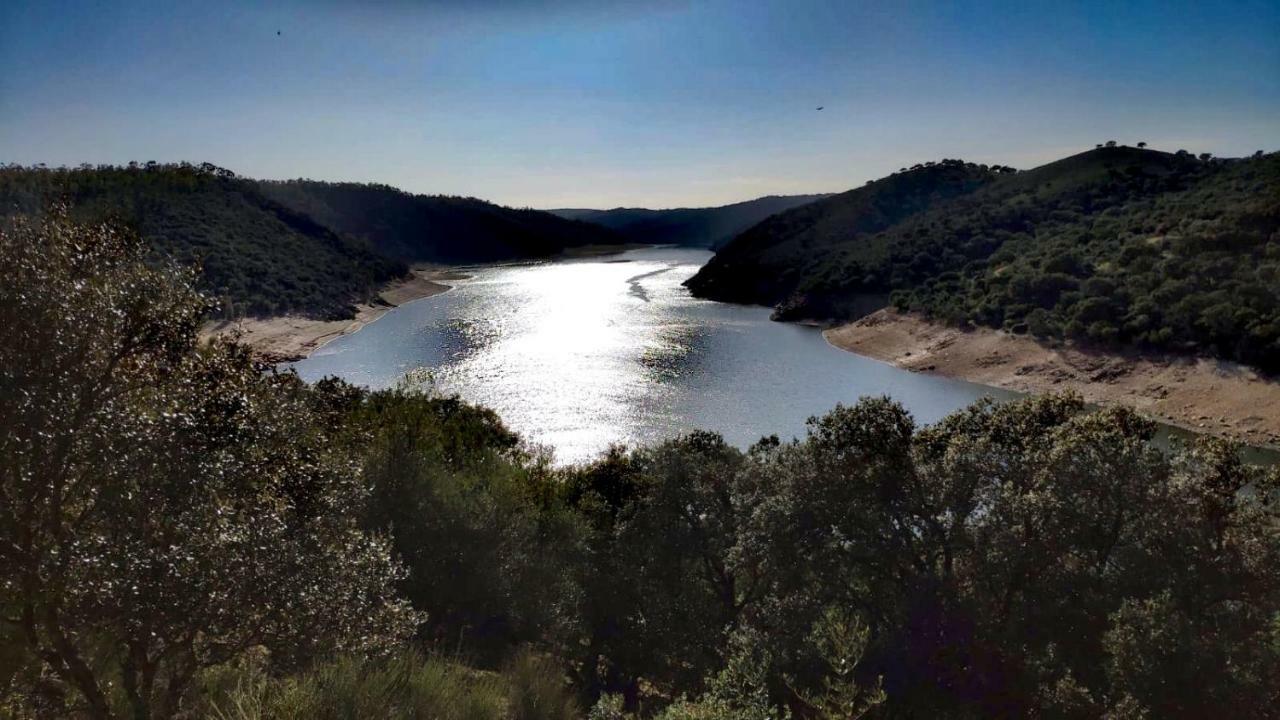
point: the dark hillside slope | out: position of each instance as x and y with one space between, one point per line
1183 258
769 261
1117 247
256 256
949 236
434 228
708 227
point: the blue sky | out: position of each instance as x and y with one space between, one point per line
599 104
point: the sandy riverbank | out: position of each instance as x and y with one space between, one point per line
291 337
1202 395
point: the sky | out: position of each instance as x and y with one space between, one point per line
608 103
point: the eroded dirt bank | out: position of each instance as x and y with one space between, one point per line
1209 396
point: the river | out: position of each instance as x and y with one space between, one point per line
580 354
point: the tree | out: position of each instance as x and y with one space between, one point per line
461 499
663 614
993 555
841 641
1142 144
163 506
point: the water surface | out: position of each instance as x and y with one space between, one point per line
579 354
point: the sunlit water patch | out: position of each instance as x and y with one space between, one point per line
580 354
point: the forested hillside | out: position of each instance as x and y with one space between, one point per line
186 536
256 256
707 227
267 248
768 262
434 228
1117 246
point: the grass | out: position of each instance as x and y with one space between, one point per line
407 685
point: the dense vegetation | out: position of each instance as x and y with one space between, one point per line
434 228
1117 246
256 257
184 535
269 248
708 227
767 263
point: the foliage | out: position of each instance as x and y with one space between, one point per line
164 507
465 506
404 685
841 641
767 263
256 257
434 228
185 533
1032 557
537 690
1019 559
665 613
1118 246
738 692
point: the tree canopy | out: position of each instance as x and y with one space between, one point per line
165 507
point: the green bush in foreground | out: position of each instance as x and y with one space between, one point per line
165 508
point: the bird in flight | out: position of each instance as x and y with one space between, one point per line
821 106
277 32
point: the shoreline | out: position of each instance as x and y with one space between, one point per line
1200 395
285 338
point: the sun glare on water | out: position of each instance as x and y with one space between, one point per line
568 344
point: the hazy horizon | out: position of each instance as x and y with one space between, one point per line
576 105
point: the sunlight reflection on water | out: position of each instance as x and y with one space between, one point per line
580 354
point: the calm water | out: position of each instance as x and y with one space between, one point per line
580 354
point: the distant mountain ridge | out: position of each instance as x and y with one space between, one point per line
1117 246
695 227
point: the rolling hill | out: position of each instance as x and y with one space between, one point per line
707 227
768 262
434 228
1116 246
256 256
